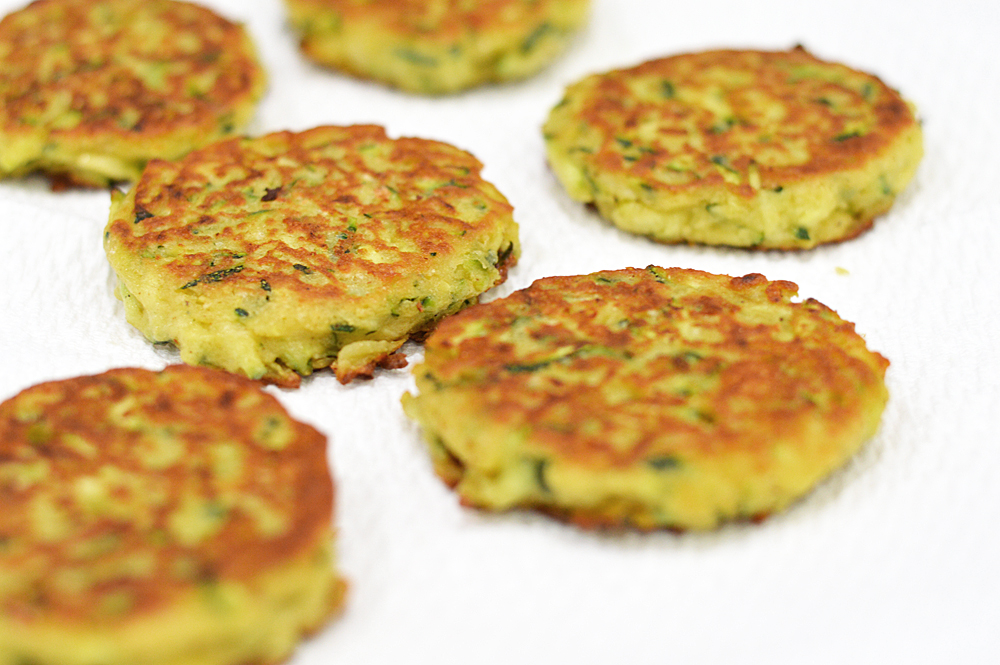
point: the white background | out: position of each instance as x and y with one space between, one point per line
893 560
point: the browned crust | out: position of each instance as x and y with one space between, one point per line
389 361
171 205
749 387
810 119
199 407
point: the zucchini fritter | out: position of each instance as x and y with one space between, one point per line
650 398
278 255
743 148
436 46
178 517
90 91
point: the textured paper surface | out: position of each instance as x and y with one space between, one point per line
894 559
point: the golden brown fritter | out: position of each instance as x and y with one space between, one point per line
89 91
278 255
744 148
436 46
652 398
160 517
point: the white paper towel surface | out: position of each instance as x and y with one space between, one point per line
893 560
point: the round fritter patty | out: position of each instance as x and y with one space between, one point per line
651 398
278 255
89 91
742 148
178 517
436 46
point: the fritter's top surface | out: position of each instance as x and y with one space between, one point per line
133 71
335 213
654 366
742 120
124 490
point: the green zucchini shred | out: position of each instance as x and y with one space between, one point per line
845 136
141 214
665 463
539 467
216 276
531 41
415 58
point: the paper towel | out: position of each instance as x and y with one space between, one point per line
893 559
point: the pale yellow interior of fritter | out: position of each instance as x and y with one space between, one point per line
221 623
802 214
499 469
